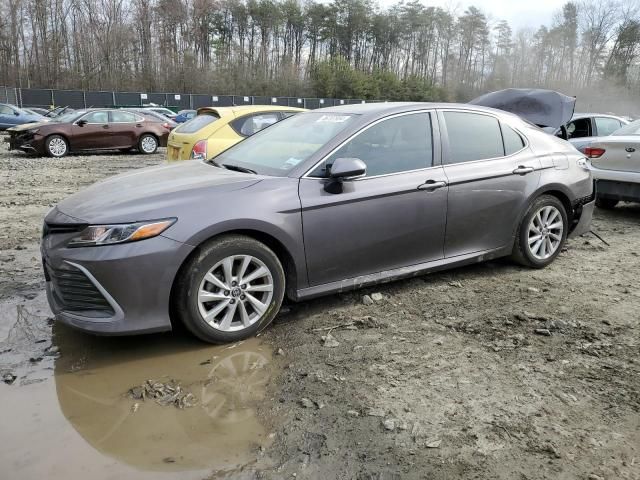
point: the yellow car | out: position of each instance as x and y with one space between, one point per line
214 129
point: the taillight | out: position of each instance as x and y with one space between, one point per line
592 152
166 125
199 150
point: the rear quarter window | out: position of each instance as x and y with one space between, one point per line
513 142
197 123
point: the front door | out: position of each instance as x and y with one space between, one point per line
391 218
91 131
491 174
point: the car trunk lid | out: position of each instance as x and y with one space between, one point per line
620 153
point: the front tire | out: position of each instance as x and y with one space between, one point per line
606 203
56 146
148 144
542 233
231 289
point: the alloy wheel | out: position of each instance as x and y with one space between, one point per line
57 147
235 293
148 144
545 232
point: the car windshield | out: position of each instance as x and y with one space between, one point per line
282 146
631 129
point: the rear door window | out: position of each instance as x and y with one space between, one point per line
247 126
197 123
606 126
473 136
122 117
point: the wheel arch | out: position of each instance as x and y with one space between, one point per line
559 191
275 244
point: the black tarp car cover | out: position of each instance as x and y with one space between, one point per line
545 108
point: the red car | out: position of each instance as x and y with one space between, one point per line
96 129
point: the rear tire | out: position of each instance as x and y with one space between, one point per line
148 144
542 233
606 203
56 146
230 289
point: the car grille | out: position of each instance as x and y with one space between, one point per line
53 228
74 292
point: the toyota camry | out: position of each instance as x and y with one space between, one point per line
322 202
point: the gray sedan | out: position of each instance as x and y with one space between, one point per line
323 202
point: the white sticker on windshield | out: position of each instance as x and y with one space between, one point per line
333 119
290 163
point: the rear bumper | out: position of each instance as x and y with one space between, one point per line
584 223
135 279
617 185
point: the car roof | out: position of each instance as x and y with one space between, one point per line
370 111
577 116
239 110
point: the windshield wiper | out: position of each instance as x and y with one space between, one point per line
238 168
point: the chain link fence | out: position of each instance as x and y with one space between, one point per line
46 98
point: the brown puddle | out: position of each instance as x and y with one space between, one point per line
82 424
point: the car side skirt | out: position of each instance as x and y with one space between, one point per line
399 273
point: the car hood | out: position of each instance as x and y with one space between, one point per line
153 193
28 126
545 108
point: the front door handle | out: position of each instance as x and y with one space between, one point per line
432 185
105 126
630 149
522 170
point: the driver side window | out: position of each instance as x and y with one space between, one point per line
96 117
399 144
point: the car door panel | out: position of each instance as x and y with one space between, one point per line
374 224
486 198
392 218
95 134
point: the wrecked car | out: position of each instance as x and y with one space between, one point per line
322 202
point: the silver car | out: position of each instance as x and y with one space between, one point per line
615 162
325 201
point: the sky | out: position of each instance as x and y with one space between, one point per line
519 13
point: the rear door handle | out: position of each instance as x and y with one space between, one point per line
522 170
630 149
105 126
431 185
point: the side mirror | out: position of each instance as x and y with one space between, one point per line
16 113
81 123
347 168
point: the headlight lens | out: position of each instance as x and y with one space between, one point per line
120 233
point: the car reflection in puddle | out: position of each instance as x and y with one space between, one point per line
220 432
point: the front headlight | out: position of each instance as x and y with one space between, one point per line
120 233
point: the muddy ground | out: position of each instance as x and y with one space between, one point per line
489 371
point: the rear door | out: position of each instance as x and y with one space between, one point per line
491 173
95 133
391 218
124 128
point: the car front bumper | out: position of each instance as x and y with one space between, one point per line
114 289
25 141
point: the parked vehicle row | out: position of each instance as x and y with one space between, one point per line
321 202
